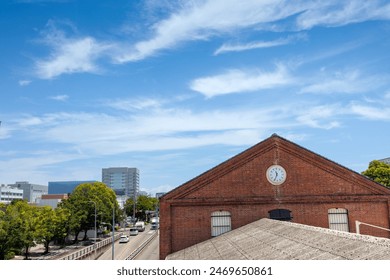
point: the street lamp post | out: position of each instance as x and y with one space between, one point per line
113 231
94 202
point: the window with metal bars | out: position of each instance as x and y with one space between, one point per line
220 222
280 214
338 219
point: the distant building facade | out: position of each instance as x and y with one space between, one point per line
123 180
160 194
31 192
385 160
65 187
51 200
8 193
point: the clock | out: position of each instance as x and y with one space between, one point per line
276 174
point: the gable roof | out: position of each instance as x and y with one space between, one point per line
267 239
278 143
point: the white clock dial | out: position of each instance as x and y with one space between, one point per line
276 174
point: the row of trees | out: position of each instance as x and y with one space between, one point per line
23 226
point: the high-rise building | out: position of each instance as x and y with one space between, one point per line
123 180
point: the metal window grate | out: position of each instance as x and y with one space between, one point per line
220 222
280 214
338 219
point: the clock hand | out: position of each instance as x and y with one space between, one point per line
276 175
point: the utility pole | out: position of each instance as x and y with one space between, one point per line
113 231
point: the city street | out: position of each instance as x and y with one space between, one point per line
123 250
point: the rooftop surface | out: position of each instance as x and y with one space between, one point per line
268 239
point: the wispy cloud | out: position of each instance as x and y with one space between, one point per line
338 13
323 116
371 112
69 54
132 104
349 81
258 45
24 83
200 20
236 81
62 97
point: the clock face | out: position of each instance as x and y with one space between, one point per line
276 174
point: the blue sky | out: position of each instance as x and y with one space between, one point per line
176 87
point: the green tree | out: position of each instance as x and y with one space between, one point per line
6 239
129 207
81 205
145 203
23 222
52 225
379 172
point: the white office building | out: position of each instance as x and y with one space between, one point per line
8 193
385 160
123 180
31 192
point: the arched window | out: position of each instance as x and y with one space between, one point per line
280 214
338 219
220 222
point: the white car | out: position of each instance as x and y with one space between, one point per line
133 231
124 239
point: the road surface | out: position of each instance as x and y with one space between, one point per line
123 250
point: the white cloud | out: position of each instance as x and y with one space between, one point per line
200 20
236 81
343 82
62 97
150 129
4 131
24 82
134 104
338 13
257 45
78 54
72 56
370 113
320 116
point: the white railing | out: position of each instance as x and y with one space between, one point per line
82 253
358 223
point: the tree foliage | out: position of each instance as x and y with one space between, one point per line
82 203
143 204
52 226
18 223
23 226
379 172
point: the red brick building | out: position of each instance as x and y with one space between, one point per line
274 179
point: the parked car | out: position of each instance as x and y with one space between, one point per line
124 239
133 231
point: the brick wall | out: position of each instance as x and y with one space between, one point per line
239 185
